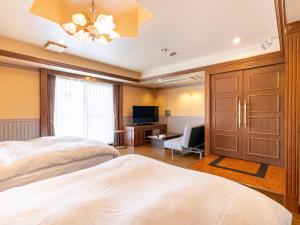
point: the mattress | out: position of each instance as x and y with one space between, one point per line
22 162
135 190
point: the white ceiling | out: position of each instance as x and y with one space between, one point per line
196 29
292 10
196 78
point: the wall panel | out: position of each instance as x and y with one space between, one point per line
19 129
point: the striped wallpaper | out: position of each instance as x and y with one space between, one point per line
26 129
19 129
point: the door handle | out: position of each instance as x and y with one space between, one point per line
245 114
239 117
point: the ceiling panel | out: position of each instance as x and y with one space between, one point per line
197 29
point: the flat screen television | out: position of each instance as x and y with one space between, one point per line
145 114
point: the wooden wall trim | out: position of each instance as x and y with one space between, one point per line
251 62
246 63
292 120
43 102
34 59
281 22
73 75
10 65
207 112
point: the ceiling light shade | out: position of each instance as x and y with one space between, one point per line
88 29
105 24
84 36
114 35
70 28
127 15
79 19
102 40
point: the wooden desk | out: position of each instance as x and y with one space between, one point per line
139 135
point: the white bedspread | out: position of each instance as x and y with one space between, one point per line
21 157
134 190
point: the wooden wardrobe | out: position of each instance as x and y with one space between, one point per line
247 114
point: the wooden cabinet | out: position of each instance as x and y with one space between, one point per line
247 114
138 135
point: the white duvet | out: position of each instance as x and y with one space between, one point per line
21 157
134 190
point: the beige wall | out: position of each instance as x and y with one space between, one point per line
136 96
184 101
19 93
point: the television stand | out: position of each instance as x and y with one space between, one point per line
144 124
139 134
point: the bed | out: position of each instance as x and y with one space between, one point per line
23 162
135 190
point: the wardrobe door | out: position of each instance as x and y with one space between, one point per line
264 115
226 95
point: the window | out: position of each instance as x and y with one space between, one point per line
84 108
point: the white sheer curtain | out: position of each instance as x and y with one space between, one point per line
84 108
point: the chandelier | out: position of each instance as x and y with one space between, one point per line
92 28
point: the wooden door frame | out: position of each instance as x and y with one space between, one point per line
292 120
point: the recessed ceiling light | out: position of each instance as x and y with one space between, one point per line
168 52
159 80
164 50
173 54
236 41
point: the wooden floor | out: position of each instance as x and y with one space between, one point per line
185 161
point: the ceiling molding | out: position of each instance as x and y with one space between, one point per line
137 86
251 62
48 62
72 75
281 22
178 86
81 77
247 63
90 78
172 74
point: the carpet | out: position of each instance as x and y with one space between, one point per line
258 175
